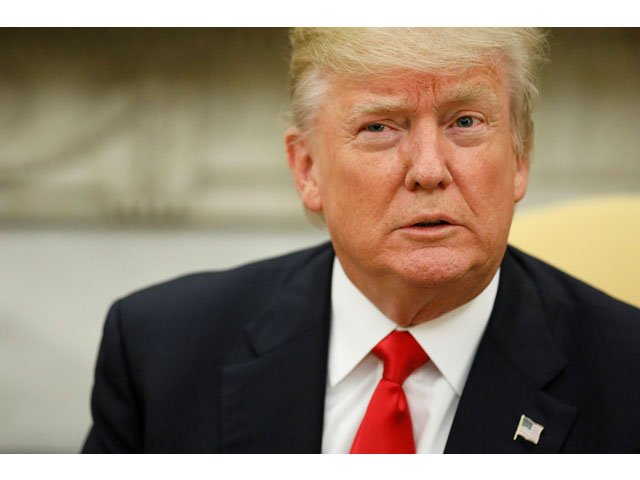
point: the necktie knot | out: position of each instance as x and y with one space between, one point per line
401 355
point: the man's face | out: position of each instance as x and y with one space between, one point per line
415 175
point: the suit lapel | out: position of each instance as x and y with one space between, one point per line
516 359
275 402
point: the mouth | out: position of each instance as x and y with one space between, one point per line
434 223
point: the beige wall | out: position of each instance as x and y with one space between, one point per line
160 127
181 129
184 126
588 142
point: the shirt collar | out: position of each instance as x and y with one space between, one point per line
450 340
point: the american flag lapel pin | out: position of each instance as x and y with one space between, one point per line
529 430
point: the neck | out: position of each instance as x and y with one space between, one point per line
408 304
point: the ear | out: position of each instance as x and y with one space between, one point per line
521 178
303 168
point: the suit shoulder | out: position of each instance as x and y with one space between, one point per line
561 286
213 289
202 315
594 311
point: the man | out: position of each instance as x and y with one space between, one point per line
417 329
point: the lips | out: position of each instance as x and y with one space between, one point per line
430 227
431 220
434 223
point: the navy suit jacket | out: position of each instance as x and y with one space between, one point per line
236 361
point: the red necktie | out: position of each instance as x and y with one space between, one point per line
386 426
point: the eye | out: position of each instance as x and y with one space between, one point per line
465 122
375 127
377 134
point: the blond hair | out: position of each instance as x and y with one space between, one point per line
318 53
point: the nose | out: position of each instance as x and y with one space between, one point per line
425 156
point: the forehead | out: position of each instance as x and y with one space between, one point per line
412 90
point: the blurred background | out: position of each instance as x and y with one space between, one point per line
130 156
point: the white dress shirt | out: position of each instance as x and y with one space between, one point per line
433 390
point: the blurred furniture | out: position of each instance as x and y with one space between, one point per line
595 239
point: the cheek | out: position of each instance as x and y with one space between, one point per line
487 185
499 205
359 181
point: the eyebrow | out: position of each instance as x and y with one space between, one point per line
464 93
457 93
382 106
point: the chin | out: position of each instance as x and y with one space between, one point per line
432 276
435 269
